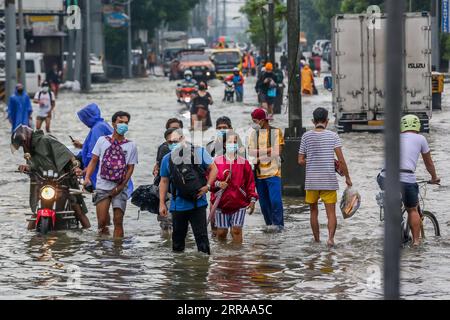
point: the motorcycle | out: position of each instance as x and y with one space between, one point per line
53 196
187 95
229 91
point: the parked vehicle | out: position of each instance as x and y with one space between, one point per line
358 70
34 70
96 66
197 43
195 60
225 60
319 47
172 42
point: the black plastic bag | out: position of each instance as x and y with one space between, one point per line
146 198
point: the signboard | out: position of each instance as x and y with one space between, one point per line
117 20
41 6
445 16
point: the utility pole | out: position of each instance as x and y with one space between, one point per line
129 48
394 96
293 174
86 47
22 46
224 17
216 19
71 60
271 24
11 48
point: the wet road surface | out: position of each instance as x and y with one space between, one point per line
81 264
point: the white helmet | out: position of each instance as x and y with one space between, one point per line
236 69
188 73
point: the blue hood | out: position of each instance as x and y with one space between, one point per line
90 115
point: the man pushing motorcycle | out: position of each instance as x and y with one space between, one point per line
43 154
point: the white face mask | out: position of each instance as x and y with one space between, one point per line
44 89
256 126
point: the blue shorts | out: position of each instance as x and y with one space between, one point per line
225 221
410 192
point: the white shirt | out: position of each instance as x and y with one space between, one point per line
44 104
412 145
131 157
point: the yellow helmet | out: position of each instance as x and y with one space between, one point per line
410 122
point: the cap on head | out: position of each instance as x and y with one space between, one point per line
236 69
269 67
188 73
410 122
259 114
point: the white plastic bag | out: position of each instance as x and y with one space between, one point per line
350 202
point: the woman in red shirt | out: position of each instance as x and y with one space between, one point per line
234 190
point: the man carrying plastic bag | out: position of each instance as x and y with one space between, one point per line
317 151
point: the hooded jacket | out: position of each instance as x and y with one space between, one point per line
19 110
241 187
91 117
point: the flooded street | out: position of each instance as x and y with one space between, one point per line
81 264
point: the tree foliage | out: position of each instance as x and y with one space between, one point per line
257 15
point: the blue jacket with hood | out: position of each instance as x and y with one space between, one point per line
91 117
19 110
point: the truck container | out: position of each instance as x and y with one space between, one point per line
359 65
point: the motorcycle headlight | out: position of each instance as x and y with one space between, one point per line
208 73
48 193
187 99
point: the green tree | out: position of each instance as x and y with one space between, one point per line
256 13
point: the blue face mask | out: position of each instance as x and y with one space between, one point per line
173 146
221 133
232 147
122 129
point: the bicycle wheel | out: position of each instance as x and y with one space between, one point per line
430 225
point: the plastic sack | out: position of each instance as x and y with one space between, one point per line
146 198
350 202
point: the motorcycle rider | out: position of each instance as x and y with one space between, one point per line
46 153
189 82
238 79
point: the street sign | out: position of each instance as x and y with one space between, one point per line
117 20
445 16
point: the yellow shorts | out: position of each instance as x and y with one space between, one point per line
327 196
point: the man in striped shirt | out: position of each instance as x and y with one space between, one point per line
317 150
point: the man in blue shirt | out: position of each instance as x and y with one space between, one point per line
185 211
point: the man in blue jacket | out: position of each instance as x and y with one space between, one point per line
91 117
19 108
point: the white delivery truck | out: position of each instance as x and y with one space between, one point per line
359 64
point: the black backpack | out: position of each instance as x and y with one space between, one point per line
187 178
146 198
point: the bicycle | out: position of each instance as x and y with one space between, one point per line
429 222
